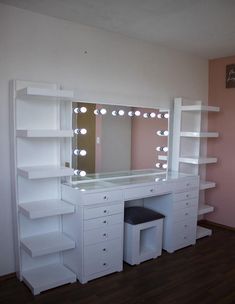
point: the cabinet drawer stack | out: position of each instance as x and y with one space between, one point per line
103 240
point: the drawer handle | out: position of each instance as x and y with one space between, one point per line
105 235
187 195
151 190
186 213
185 237
104 249
105 211
185 226
188 184
104 264
187 204
104 222
105 197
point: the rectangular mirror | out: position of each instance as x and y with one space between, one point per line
111 138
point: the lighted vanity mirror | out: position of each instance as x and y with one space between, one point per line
110 138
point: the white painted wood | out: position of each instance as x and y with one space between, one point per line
38 245
204 208
44 172
199 134
163 157
202 232
198 161
52 207
46 277
44 133
206 185
200 108
35 93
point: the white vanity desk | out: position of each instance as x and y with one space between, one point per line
97 224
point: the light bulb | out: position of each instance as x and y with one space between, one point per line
163 115
160 149
137 113
130 113
157 179
146 115
114 113
164 166
80 110
80 172
96 112
162 133
121 112
80 152
158 165
103 111
82 131
152 115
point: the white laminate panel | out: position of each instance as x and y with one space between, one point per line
193 202
185 195
102 222
184 214
94 212
186 184
185 226
103 234
102 197
139 192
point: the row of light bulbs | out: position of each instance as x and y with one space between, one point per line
121 112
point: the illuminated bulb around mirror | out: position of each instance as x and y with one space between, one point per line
114 113
146 115
137 113
160 165
131 113
152 115
121 112
162 149
164 166
80 110
80 152
80 172
163 115
102 111
162 133
82 131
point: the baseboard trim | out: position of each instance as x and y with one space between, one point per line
7 276
217 225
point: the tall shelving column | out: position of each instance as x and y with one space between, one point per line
41 134
189 145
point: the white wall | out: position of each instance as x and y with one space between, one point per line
115 69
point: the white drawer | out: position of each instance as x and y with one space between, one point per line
103 257
187 226
184 214
185 195
103 234
94 212
184 239
186 184
139 192
102 197
102 222
193 202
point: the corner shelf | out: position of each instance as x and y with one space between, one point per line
46 277
204 208
206 185
199 134
202 232
44 133
33 93
36 172
39 209
52 242
198 160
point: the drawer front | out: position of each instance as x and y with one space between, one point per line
103 222
186 184
193 202
185 227
103 234
185 195
103 257
102 197
184 214
139 192
101 211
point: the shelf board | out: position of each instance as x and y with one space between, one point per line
200 108
202 232
206 185
162 157
52 242
44 133
32 93
46 277
199 134
204 208
198 160
52 207
44 172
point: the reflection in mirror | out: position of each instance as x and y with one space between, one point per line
110 138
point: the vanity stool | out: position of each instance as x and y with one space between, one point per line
143 231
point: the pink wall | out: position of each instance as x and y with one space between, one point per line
223 173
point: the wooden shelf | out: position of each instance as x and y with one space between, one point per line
206 185
198 161
44 172
32 93
202 232
38 245
200 108
200 134
204 208
44 133
46 277
52 207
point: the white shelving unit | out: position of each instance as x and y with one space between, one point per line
188 147
41 132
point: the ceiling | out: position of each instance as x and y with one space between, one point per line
203 27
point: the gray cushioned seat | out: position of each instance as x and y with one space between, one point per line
139 215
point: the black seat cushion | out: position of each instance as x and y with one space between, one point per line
139 215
